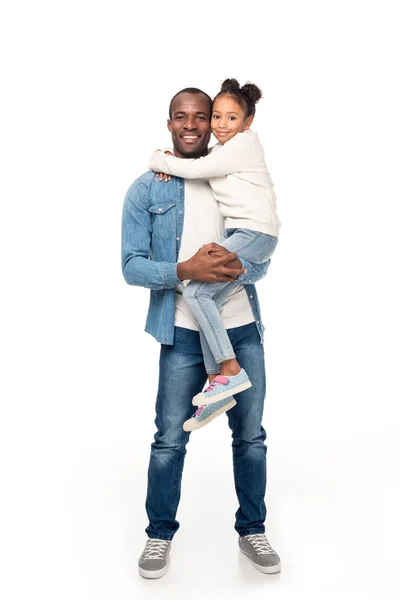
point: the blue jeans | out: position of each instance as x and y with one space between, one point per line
205 300
182 376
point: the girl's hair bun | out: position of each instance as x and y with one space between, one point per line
229 85
247 96
252 92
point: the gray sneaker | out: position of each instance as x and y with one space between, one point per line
154 560
263 557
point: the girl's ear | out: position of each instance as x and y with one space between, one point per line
248 122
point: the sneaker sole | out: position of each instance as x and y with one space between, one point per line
201 399
153 574
192 424
272 570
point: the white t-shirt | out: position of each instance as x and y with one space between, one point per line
203 223
239 179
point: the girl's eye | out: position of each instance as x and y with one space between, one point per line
215 116
232 118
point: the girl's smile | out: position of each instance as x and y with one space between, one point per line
228 118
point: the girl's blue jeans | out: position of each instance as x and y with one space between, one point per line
205 300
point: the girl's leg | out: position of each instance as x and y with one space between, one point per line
250 245
201 300
204 301
212 367
253 246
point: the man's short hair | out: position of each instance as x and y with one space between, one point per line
189 90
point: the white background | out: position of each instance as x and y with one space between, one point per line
85 92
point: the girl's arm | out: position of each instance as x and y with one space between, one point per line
233 157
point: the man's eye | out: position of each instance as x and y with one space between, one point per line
178 118
202 118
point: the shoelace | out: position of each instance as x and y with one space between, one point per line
260 543
200 410
212 385
155 549
219 379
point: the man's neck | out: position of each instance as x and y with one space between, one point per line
196 155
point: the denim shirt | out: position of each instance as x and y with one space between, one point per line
152 224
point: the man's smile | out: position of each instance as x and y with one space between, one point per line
190 138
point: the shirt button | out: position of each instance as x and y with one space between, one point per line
249 280
251 296
180 212
258 322
160 209
177 238
181 187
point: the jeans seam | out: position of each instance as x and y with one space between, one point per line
204 311
252 531
264 250
173 500
160 536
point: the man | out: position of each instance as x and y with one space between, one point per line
164 224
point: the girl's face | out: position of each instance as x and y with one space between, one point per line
228 119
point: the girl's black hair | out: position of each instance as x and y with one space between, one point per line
247 96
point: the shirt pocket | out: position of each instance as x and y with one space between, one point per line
163 219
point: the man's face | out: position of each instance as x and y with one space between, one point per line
190 125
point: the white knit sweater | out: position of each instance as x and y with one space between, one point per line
238 177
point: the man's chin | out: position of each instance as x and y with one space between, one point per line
191 150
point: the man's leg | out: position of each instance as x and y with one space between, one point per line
249 453
182 375
248 447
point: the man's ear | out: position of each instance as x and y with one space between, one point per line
169 125
248 122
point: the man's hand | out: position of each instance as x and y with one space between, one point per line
211 264
221 251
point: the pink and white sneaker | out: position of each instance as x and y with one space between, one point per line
223 387
206 414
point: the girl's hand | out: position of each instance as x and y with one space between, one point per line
164 176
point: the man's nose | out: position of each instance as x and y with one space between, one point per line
190 124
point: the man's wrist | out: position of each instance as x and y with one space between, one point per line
182 270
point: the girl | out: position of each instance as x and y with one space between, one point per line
241 184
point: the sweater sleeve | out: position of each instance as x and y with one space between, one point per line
234 156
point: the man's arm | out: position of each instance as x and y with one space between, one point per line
137 267
232 157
